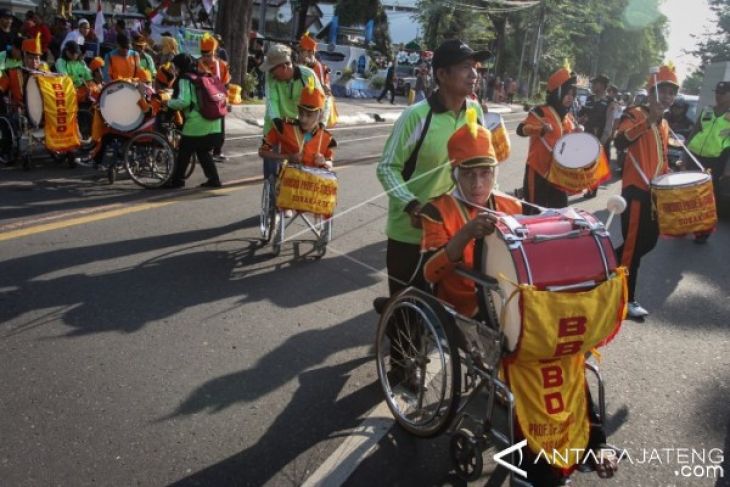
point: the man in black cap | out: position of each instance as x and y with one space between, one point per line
414 167
597 115
7 33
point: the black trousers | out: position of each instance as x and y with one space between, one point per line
219 146
388 87
200 146
540 191
640 231
403 261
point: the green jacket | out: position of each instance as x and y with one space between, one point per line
432 174
77 70
146 62
712 137
282 97
195 124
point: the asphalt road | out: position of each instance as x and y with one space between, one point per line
147 338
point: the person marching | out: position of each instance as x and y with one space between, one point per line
415 164
391 78
644 133
710 140
209 63
598 112
545 124
302 141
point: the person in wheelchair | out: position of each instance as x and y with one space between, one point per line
451 224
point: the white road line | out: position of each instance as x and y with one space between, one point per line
339 142
338 129
353 450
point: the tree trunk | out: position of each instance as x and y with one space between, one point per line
301 20
233 24
499 22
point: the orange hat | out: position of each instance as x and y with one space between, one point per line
33 45
312 98
208 43
165 74
666 75
471 145
559 78
96 63
306 42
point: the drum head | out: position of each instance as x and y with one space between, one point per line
576 151
34 101
679 179
492 120
119 106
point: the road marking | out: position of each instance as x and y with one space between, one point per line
339 142
338 467
337 129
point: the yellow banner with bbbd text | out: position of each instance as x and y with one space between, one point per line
60 113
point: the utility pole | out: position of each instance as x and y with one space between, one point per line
262 18
535 81
522 59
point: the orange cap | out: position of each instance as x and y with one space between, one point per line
666 75
208 43
558 79
471 145
33 45
306 42
165 74
96 63
312 98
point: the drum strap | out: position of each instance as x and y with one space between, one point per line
638 169
410 166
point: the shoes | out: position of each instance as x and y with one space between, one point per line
379 304
219 158
590 194
636 311
211 184
701 239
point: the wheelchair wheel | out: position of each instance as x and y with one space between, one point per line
267 217
324 226
149 160
277 239
466 455
418 363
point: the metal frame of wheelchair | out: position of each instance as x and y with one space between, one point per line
273 223
25 139
473 404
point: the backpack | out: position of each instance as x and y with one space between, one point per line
212 96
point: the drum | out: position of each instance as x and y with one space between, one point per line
119 106
307 189
564 250
34 102
575 162
500 138
685 203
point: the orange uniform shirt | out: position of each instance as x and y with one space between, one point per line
442 218
322 73
13 81
540 155
215 67
124 67
647 149
291 140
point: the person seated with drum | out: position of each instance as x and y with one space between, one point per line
544 125
75 68
122 62
14 79
644 133
302 141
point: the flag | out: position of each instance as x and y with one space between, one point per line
158 14
99 23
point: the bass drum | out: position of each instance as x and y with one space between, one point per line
566 250
119 106
34 102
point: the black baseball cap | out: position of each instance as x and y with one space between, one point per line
5 13
722 87
454 51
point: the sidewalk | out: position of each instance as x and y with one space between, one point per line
249 119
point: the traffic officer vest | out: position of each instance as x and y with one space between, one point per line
709 142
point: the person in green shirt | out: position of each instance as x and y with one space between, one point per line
199 135
145 60
415 167
72 66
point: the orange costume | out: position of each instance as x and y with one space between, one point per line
14 79
443 217
320 70
118 66
213 66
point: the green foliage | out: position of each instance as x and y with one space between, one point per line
377 83
692 84
250 82
714 45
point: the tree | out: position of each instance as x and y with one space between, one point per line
233 24
692 84
714 46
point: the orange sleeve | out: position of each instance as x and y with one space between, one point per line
271 139
532 125
433 241
633 125
225 74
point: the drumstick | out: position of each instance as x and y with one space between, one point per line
702 168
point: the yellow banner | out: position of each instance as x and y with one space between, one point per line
576 180
60 111
682 211
546 372
501 143
307 189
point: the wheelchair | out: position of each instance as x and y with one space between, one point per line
440 371
273 221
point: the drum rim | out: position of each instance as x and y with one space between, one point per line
115 125
38 124
581 134
705 178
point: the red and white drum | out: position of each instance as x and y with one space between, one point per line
560 250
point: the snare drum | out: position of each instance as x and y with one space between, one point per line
119 106
307 189
555 251
685 203
34 101
500 138
575 162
